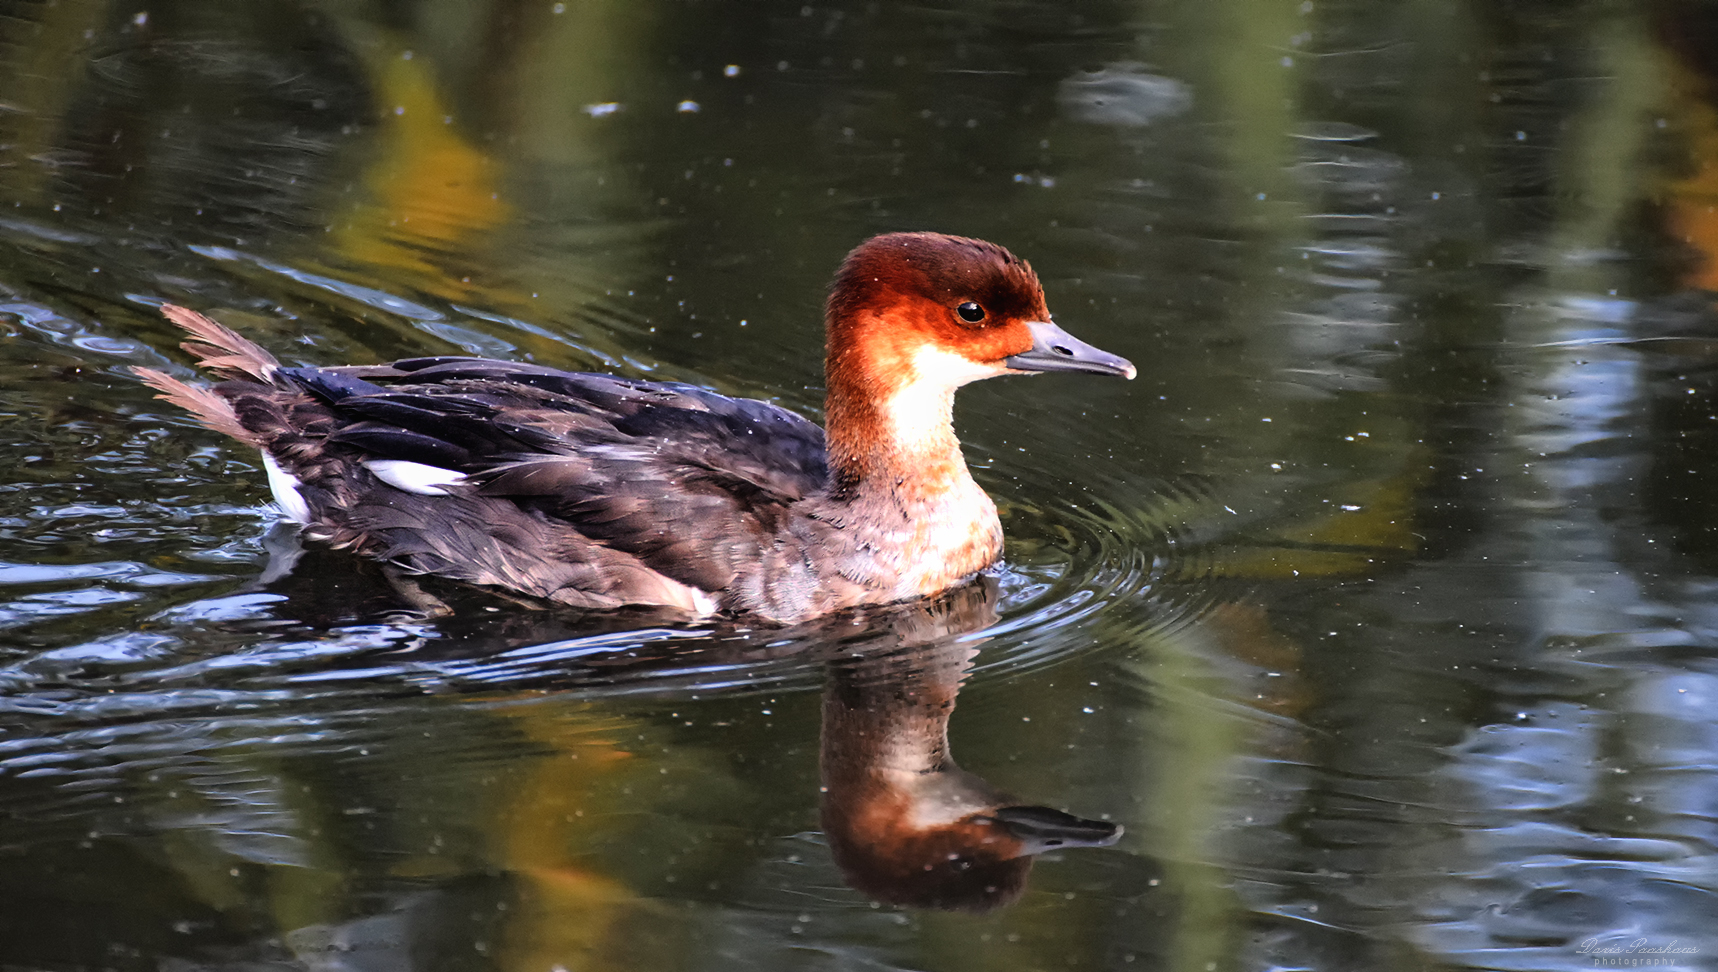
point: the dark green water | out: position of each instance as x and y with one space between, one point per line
1380 610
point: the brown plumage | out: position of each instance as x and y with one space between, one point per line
598 491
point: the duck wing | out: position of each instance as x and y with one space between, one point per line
581 488
690 484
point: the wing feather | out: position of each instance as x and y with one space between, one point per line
581 488
679 480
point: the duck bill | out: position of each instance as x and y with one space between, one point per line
1054 349
1042 828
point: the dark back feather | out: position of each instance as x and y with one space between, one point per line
693 484
581 488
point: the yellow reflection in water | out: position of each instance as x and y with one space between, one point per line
565 912
1693 199
1374 519
434 198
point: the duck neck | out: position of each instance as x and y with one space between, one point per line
892 439
914 521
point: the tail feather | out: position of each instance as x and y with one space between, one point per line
220 349
201 401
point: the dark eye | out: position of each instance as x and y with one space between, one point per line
970 312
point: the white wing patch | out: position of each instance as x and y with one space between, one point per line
284 486
414 477
704 603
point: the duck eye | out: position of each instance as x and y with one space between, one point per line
970 312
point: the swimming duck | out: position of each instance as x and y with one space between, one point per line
597 491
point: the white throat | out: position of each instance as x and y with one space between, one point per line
920 413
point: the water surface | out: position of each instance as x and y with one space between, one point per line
1378 610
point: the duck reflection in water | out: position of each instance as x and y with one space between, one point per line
905 823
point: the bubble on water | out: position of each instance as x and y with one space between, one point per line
1124 95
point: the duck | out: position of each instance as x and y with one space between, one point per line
597 491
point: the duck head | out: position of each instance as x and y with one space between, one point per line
913 316
929 307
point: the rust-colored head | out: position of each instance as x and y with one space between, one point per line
900 293
962 293
913 316
907 303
